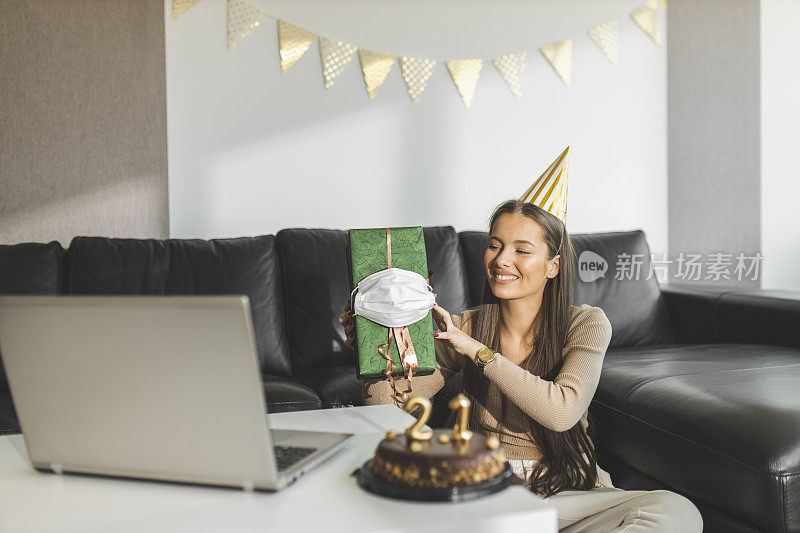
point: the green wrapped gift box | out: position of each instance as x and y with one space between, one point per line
369 254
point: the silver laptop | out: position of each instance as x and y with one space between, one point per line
164 388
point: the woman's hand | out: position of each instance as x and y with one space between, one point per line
461 342
346 320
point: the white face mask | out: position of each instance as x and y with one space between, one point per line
393 297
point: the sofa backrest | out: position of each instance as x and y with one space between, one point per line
248 265
635 307
630 297
30 268
316 287
298 282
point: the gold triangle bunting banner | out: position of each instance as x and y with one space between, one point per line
416 73
646 17
243 17
465 74
511 67
179 7
334 56
559 55
375 66
294 42
606 37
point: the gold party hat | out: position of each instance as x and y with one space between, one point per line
549 191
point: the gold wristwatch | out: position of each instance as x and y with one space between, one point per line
484 357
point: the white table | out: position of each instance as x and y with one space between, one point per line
325 500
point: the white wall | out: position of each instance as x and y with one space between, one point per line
780 134
252 151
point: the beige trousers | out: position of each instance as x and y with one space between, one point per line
605 508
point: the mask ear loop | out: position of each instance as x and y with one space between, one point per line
353 300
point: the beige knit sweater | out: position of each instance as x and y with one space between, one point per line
557 404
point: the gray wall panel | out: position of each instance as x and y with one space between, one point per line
714 126
83 133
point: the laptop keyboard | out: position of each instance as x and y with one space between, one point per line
286 456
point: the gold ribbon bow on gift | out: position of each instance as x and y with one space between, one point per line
408 356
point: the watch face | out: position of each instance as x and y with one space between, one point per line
485 354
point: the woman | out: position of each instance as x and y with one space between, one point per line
533 387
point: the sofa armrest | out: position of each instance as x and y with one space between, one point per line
691 311
759 316
721 314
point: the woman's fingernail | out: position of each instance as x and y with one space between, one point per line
435 334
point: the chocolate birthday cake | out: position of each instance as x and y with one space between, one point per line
438 462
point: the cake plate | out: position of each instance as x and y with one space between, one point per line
372 483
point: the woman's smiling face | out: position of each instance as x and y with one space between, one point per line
517 259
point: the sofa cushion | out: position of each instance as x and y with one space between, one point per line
635 307
284 394
473 249
445 261
314 266
316 285
716 422
246 266
30 268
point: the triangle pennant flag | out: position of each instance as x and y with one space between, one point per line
646 17
606 37
294 42
549 191
465 74
416 73
243 17
334 56
559 55
375 66
179 7
511 67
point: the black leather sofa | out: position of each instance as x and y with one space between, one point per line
700 390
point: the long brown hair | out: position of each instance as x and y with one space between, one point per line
569 461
